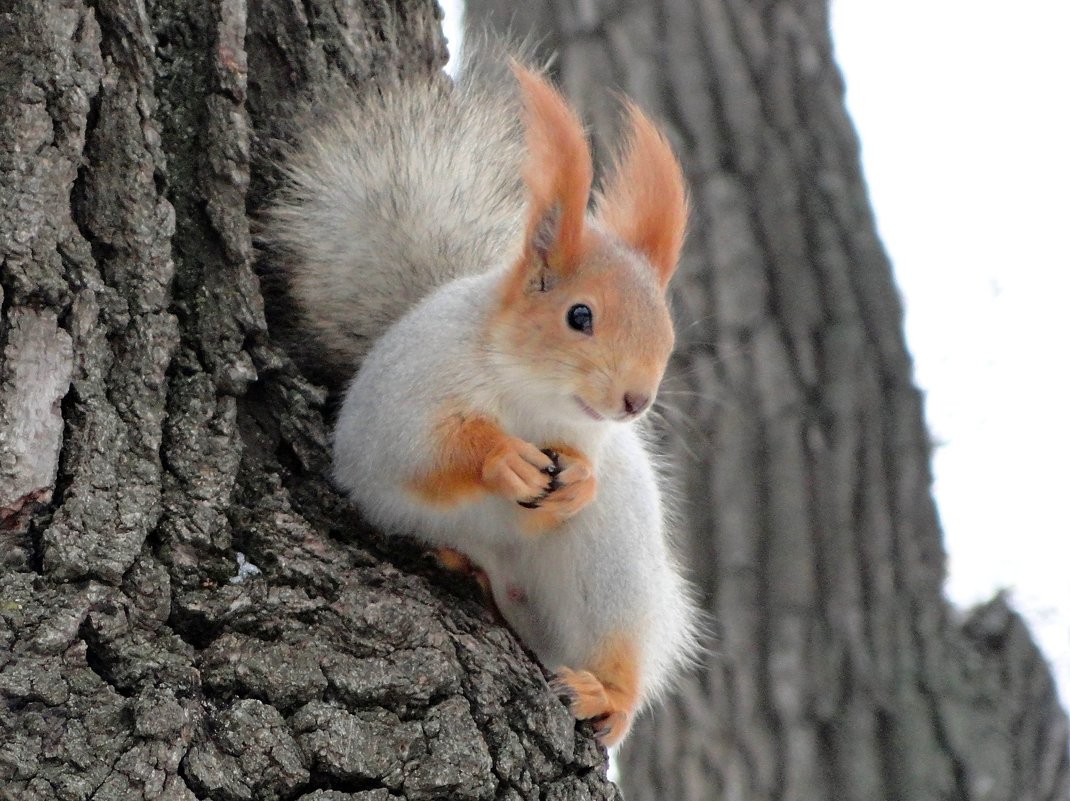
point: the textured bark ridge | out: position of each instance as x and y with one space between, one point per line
157 448
838 670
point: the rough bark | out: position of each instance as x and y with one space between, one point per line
157 443
839 670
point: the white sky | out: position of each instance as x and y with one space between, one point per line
963 109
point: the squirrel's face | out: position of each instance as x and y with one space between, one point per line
592 345
583 327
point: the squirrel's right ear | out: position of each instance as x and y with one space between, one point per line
558 175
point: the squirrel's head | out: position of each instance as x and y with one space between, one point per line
584 311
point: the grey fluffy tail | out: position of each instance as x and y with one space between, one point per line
395 193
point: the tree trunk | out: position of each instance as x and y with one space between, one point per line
152 433
839 672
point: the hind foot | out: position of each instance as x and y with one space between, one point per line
589 700
608 693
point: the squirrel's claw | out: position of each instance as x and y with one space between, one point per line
611 728
553 470
560 686
572 486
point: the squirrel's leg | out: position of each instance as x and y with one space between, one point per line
473 455
457 562
454 561
606 691
572 488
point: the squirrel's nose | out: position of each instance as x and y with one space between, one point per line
634 403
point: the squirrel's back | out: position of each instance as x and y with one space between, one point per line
400 191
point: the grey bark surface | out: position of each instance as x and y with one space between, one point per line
153 430
839 671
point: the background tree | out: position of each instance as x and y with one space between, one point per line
839 672
151 429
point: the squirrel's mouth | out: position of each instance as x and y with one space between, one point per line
588 410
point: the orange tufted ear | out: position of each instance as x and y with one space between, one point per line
644 200
558 175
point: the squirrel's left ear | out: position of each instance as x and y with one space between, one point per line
644 200
558 174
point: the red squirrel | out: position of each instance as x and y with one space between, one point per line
507 341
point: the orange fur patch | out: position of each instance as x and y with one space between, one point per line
645 199
607 689
454 561
463 446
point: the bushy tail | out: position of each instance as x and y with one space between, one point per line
396 193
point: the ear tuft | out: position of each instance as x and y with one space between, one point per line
558 174
644 201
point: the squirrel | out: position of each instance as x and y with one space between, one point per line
508 340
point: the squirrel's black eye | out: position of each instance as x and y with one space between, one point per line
581 318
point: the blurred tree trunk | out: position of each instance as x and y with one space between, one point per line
150 430
840 672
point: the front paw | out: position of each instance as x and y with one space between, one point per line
572 487
519 471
